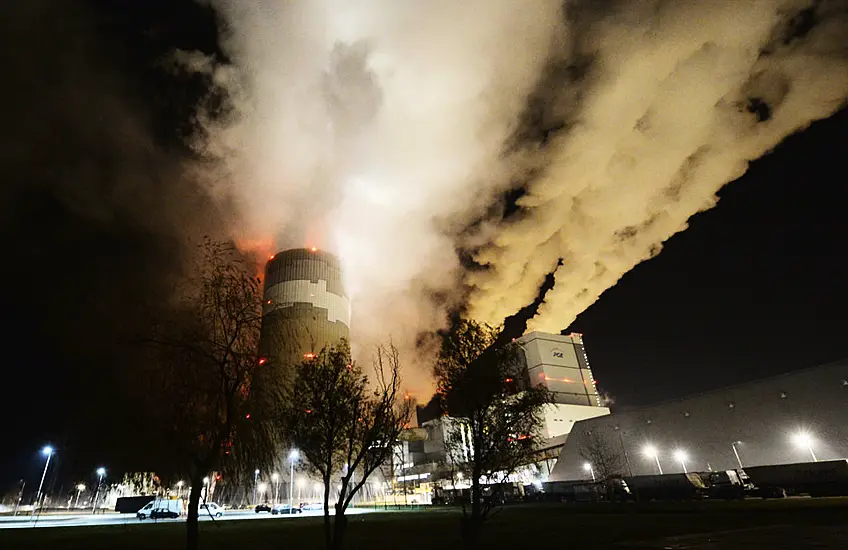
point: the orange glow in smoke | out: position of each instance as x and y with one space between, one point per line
314 249
552 379
309 356
260 248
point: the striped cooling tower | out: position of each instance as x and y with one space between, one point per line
305 307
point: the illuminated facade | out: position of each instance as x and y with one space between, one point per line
755 423
305 307
560 364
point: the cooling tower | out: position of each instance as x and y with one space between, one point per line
305 307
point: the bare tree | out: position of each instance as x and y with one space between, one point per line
344 428
494 414
605 459
203 361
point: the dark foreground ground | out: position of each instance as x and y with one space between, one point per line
753 524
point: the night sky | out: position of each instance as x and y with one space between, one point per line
755 287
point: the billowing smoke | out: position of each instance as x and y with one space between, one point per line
657 105
389 132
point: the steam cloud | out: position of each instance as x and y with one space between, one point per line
389 131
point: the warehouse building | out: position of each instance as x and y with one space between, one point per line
794 417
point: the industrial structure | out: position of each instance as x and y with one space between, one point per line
795 417
555 361
305 307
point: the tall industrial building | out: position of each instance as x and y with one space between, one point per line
305 307
560 364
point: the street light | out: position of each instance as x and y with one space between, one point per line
588 467
805 441
80 489
651 452
100 473
205 488
736 453
275 477
179 489
294 454
255 483
680 456
300 483
48 452
262 488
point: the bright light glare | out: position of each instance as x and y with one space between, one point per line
206 481
587 467
294 455
680 455
650 451
263 487
275 476
803 440
80 487
47 450
300 482
256 472
101 471
179 484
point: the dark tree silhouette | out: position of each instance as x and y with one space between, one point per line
342 426
203 358
494 414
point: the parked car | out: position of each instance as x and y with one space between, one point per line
161 508
311 506
264 507
284 509
211 509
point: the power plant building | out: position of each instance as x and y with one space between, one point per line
305 307
560 364
795 417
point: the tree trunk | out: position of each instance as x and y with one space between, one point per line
328 534
192 533
339 527
471 523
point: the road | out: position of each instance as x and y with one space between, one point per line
85 520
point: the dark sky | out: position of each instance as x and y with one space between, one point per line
96 215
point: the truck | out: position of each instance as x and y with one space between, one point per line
131 505
726 484
688 486
160 508
823 478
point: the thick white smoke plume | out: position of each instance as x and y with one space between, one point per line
385 131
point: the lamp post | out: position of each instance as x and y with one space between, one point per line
205 488
651 452
804 440
680 456
100 473
48 452
263 487
179 489
80 489
588 467
736 454
300 483
293 456
255 483
275 477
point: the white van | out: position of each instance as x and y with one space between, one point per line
210 509
161 508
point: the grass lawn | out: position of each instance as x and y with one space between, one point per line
551 525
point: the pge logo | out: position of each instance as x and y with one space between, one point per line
558 354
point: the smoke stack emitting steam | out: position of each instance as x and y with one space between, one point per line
386 131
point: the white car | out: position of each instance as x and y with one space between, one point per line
210 509
161 508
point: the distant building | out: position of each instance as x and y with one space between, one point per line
557 362
305 307
744 425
